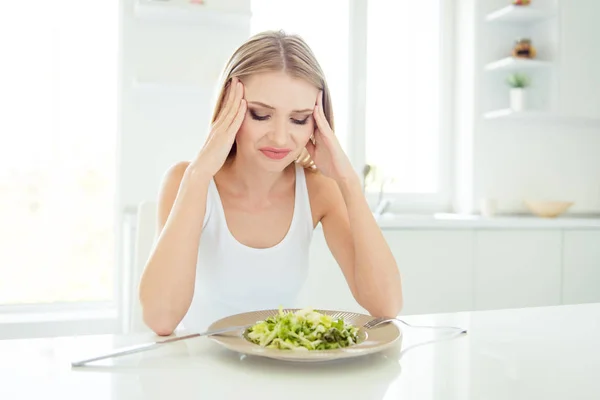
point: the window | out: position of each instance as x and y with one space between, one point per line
385 65
406 129
326 32
58 152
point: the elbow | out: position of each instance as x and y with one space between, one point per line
397 309
392 307
160 315
386 306
388 309
156 318
162 325
159 320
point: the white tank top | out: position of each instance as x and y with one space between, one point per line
232 278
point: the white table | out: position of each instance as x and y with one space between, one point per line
538 353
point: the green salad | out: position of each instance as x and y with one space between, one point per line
304 329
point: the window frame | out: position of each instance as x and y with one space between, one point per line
402 202
82 317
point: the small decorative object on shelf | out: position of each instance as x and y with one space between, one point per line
521 2
523 49
518 82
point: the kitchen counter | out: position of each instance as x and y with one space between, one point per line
460 221
546 353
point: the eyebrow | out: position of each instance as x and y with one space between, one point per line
258 103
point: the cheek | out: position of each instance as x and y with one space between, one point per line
249 132
302 133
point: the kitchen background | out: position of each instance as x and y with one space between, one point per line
130 87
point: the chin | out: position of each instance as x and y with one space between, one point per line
276 165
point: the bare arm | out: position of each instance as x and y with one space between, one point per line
351 232
359 247
167 284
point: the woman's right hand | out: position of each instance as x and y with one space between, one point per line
224 130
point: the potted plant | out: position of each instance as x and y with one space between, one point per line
518 83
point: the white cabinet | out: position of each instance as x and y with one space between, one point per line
581 267
517 269
436 268
445 270
579 61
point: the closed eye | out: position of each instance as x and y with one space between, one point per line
300 122
259 117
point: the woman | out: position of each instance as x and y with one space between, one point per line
236 222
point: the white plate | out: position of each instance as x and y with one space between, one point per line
370 341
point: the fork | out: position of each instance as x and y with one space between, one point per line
384 320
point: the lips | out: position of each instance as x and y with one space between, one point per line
275 153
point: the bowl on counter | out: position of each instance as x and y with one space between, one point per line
548 209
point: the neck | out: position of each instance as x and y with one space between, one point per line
249 179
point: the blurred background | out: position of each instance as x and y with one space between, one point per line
475 126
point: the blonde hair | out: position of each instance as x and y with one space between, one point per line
276 51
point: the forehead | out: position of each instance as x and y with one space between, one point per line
280 90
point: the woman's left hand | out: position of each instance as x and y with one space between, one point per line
326 151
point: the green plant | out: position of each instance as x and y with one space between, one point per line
517 80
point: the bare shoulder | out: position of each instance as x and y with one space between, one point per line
168 190
323 193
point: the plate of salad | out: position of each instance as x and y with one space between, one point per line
305 334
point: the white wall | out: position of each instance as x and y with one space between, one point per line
542 158
169 72
537 160
507 160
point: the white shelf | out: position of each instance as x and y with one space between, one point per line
185 11
512 64
520 14
536 115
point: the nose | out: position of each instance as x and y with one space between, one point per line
279 135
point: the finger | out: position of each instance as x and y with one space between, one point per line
232 109
322 124
239 118
227 100
322 112
227 96
228 92
306 159
237 103
319 107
